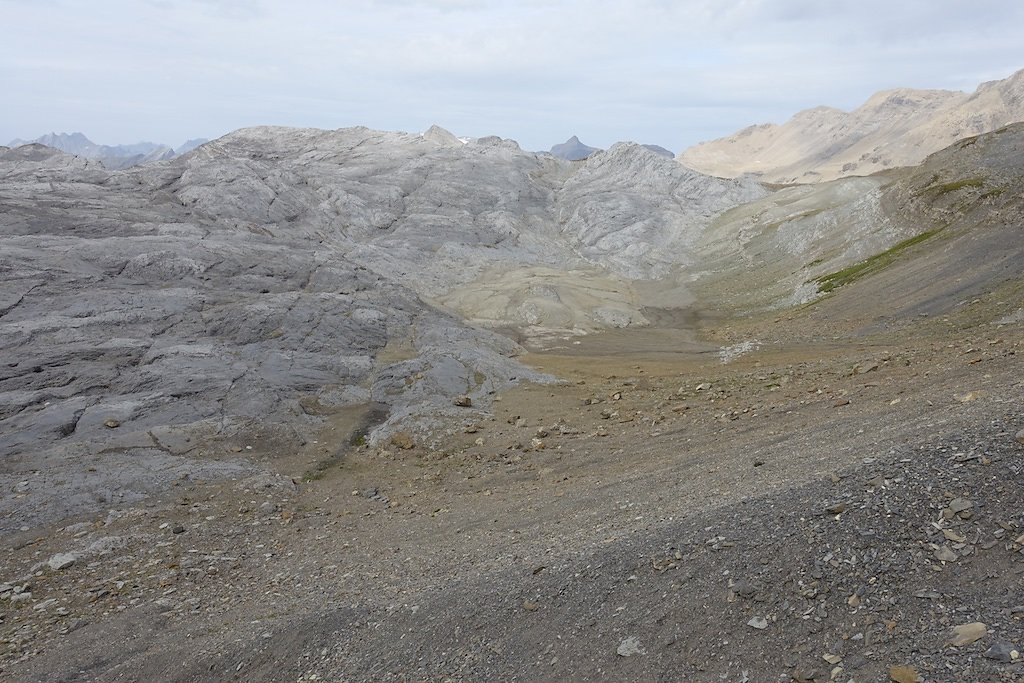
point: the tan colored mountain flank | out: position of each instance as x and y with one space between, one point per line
893 128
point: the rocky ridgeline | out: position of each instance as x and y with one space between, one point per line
111 156
156 317
893 128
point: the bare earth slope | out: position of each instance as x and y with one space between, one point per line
893 128
789 247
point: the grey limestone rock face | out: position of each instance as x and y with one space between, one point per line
241 291
639 213
440 136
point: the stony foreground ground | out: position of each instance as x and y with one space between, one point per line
814 506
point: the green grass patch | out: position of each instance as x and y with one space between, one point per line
827 283
319 470
946 188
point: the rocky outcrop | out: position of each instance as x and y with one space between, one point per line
440 136
639 213
893 128
246 292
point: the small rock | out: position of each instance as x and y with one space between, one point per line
45 604
164 604
177 529
21 597
111 424
865 368
629 647
760 623
1002 651
965 634
832 659
954 536
1020 437
836 509
958 505
744 589
804 675
471 429
945 554
403 440
531 606
904 674
61 561
463 401
841 402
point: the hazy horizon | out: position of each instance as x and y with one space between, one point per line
655 72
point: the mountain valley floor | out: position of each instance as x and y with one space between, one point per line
785 497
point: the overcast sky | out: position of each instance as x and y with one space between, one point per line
654 71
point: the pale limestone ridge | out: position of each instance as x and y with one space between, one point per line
441 136
276 277
892 128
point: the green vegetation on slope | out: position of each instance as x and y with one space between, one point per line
957 185
827 283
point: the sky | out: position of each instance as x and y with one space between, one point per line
663 72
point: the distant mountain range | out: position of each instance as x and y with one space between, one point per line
112 156
574 150
893 128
